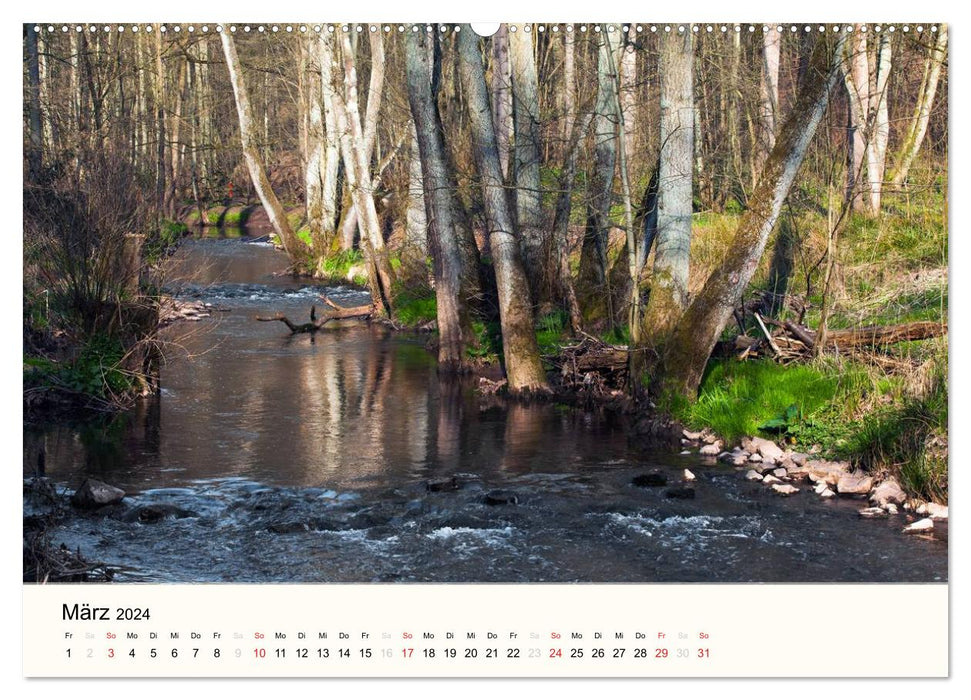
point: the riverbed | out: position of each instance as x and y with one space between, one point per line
343 456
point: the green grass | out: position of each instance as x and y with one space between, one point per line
95 370
414 310
339 264
551 331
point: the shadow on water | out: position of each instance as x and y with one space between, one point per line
344 457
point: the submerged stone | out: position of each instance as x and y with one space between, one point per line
94 494
649 480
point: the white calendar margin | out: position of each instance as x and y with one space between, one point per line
508 10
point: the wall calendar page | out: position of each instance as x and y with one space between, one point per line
589 349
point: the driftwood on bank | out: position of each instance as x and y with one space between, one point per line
315 324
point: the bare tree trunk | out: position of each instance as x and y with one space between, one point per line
857 81
454 327
502 94
881 124
331 166
669 281
917 127
695 335
594 299
175 145
524 370
768 97
569 84
527 159
628 97
36 140
159 124
416 218
296 248
356 160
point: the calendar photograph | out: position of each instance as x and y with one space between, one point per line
521 303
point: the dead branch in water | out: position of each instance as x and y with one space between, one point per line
339 312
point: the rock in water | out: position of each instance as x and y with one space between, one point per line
680 492
827 493
873 512
94 494
753 475
785 489
501 498
649 480
688 476
936 511
446 484
711 450
854 485
925 525
888 492
769 480
764 447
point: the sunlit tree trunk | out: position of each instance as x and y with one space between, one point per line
857 81
697 331
628 97
877 163
524 370
454 327
356 160
569 94
331 163
768 96
917 127
296 248
669 280
416 219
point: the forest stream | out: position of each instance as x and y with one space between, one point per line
342 456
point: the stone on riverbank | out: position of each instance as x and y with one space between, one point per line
770 479
753 475
886 492
825 471
936 511
95 494
711 450
925 525
855 484
785 489
764 447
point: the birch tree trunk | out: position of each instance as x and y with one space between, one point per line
315 145
697 331
524 370
356 160
917 128
527 160
669 281
877 163
857 81
628 97
454 326
331 165
768 97
295 248
502 95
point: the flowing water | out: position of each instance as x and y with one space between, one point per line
343 457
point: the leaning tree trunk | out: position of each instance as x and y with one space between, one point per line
669 281
376 258
454 327
523 367
296 248
695 335
922 111
526 160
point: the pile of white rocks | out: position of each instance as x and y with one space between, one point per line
781 469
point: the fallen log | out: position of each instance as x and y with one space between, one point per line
871 335
339 312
